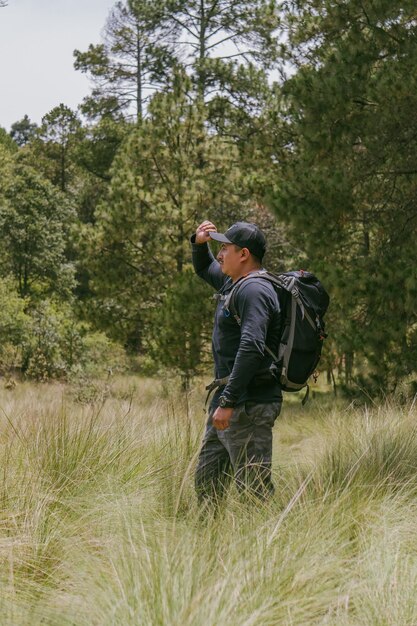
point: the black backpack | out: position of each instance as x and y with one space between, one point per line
304 302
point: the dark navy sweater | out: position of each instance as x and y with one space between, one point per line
239 351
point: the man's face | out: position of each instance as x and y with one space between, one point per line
230 259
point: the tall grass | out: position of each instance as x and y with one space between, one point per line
99 523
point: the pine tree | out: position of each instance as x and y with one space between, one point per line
23 131
347 178
227 46
219 36
130 63
170 174
53 148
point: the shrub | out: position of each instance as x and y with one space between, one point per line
15 326
60 346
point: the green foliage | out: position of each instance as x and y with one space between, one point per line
49 342
6 142
55 342
35 222
246 26
6 165
169 174
96 149
130 63
225 46
180 326
54 148
347 179
15 325
96 217
75 159
235 108
23 131
58 345
100 356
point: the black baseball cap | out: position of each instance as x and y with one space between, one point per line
244 235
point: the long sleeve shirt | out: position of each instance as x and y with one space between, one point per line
239 351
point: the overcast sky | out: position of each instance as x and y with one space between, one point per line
37 39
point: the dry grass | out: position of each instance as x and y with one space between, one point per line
99 524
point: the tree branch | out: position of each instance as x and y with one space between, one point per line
165 180
228 38
195 35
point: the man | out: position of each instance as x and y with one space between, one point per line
238 437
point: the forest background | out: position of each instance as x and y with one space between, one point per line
299 116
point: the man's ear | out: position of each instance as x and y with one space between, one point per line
245 253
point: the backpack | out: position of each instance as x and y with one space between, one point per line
304 302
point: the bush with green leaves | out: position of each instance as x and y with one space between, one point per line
60 346
101 356
35 225
15 326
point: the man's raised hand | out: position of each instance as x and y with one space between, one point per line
202 234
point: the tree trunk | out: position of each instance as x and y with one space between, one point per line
180 252
348 367
201 73
62 172
139 112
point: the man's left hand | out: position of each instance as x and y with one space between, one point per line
222 417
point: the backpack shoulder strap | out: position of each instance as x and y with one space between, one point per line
279 281
229 300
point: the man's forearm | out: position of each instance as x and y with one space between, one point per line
202 256
205 265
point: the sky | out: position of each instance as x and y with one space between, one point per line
37 39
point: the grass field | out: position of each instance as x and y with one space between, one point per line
99 524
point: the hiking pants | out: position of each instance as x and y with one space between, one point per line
242 451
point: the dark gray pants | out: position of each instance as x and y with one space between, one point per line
242 451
